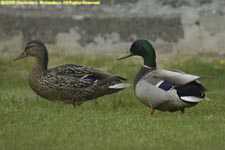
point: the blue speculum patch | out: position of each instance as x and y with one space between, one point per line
91 78
165 85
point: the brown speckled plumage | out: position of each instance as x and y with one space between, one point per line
69 83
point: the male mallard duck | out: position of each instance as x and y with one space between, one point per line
69 83
163 89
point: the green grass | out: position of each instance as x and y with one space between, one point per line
112 122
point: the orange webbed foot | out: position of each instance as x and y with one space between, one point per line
152 111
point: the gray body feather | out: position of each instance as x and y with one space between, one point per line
148 92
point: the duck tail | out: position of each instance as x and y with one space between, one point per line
120 86
191 92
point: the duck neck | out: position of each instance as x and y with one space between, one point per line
41 63
150 61
142 72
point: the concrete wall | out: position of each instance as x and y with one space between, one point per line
193 25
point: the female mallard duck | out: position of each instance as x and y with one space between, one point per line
69 83
162 89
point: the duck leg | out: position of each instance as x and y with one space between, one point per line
182 111
68 102
152 111
76 103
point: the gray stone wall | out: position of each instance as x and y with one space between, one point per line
193 25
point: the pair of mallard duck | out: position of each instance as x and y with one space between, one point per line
158 89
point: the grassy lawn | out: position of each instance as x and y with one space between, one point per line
112 122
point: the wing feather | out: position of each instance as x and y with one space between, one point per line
72 76
176 78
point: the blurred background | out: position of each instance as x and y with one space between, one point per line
188 35
171 25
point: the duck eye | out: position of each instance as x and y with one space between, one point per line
29 46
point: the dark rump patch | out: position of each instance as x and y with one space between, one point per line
191 89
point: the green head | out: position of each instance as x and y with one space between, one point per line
144 49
